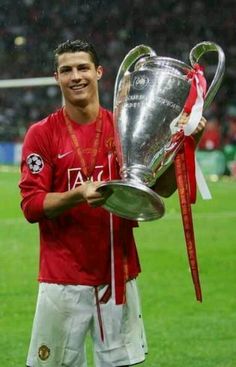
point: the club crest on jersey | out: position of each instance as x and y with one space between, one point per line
43 352
35 163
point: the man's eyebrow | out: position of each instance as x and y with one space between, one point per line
65 66
85 64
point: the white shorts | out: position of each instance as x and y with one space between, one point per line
66 313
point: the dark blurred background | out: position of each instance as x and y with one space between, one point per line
30 30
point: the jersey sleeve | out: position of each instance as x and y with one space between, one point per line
36 172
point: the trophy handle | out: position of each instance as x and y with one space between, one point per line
196 53
129 60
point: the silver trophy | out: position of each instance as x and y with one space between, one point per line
150 93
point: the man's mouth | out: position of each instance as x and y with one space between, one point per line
78 86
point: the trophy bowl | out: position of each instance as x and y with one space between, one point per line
141 203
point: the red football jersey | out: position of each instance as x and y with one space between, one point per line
75 246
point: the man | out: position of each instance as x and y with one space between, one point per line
86 284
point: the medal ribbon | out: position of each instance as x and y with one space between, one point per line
184 198
185 168
86 169
194 108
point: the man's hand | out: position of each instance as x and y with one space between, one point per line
184 120
91 195
166 184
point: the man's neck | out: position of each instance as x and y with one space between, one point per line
82 115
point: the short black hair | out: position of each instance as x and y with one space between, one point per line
76 46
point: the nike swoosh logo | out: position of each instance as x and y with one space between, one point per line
63 155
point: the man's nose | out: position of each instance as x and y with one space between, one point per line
75 74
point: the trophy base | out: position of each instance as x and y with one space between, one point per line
132 200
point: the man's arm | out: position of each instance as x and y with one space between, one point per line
38 200
56 203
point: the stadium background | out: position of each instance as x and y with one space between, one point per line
31 29
180 331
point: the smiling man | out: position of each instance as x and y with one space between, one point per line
88 257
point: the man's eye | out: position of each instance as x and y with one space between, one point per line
65 71
84 68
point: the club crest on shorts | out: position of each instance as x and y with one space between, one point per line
43 352
35 163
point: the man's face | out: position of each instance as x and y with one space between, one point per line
77 77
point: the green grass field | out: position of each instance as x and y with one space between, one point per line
181 332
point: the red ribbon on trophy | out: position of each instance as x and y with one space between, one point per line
185 167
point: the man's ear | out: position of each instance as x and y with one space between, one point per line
56 75
99 72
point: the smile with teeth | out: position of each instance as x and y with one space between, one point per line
78 86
